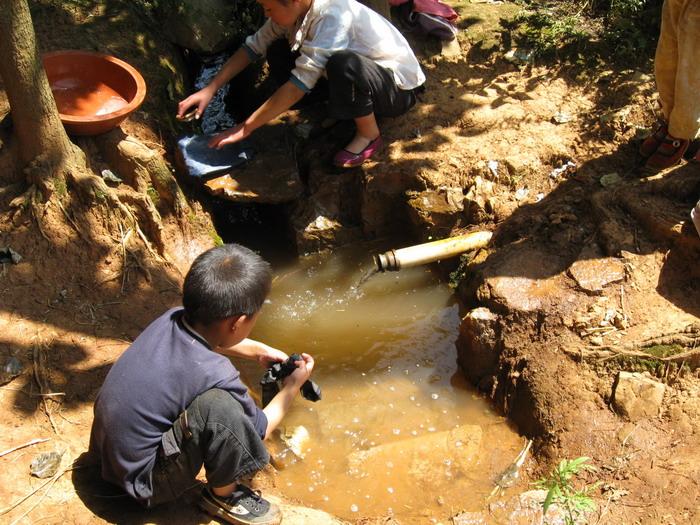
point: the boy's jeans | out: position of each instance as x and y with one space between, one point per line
213 432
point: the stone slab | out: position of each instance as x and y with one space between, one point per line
525 279
592 275
415 457
271 177
637 396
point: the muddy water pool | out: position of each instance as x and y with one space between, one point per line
398 431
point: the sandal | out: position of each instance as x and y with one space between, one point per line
652 142
668 154
348 159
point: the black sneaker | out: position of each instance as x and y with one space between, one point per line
242 507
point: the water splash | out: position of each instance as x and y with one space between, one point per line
366 277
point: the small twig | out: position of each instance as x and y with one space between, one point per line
43 389
35 441
622 305
680 369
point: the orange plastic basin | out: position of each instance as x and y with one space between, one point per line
93 92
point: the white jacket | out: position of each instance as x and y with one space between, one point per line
335 25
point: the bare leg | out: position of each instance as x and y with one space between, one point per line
367 131
224 491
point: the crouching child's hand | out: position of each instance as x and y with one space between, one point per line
268 355
304 368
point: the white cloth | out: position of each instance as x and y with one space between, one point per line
330 26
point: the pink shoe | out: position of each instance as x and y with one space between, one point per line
347 159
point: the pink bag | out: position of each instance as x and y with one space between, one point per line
435 8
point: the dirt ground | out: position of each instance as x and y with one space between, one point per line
69 309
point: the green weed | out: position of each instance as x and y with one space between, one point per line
590 31
561 491
218 241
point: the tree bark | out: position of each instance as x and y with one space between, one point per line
42 140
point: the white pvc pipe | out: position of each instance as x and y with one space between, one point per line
394 260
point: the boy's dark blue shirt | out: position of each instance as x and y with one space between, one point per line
147 388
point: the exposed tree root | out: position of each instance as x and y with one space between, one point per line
93 189
681 185
692 357
659 220
11 190
143 168
614 236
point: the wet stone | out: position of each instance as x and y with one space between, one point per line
298 515
592 275
316 232
479 344
636 396
271 177
459 446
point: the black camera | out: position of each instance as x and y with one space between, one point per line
277 372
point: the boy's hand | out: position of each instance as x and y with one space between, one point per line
200 99
269 355
230 136
304 368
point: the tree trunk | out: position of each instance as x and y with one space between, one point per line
42 140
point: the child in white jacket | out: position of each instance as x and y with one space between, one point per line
371 69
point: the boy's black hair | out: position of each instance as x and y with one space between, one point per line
226 281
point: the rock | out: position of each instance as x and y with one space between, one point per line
327 219
479 344
322 233
415 457
526 509
383 199
636 396
437 211
11 369
451 48
297 515
478 203
9 256
532 501
271 177
527 280
209 26
592 275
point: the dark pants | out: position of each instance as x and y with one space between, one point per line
357 86
213 432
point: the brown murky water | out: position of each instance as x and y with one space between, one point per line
74 97
398 432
